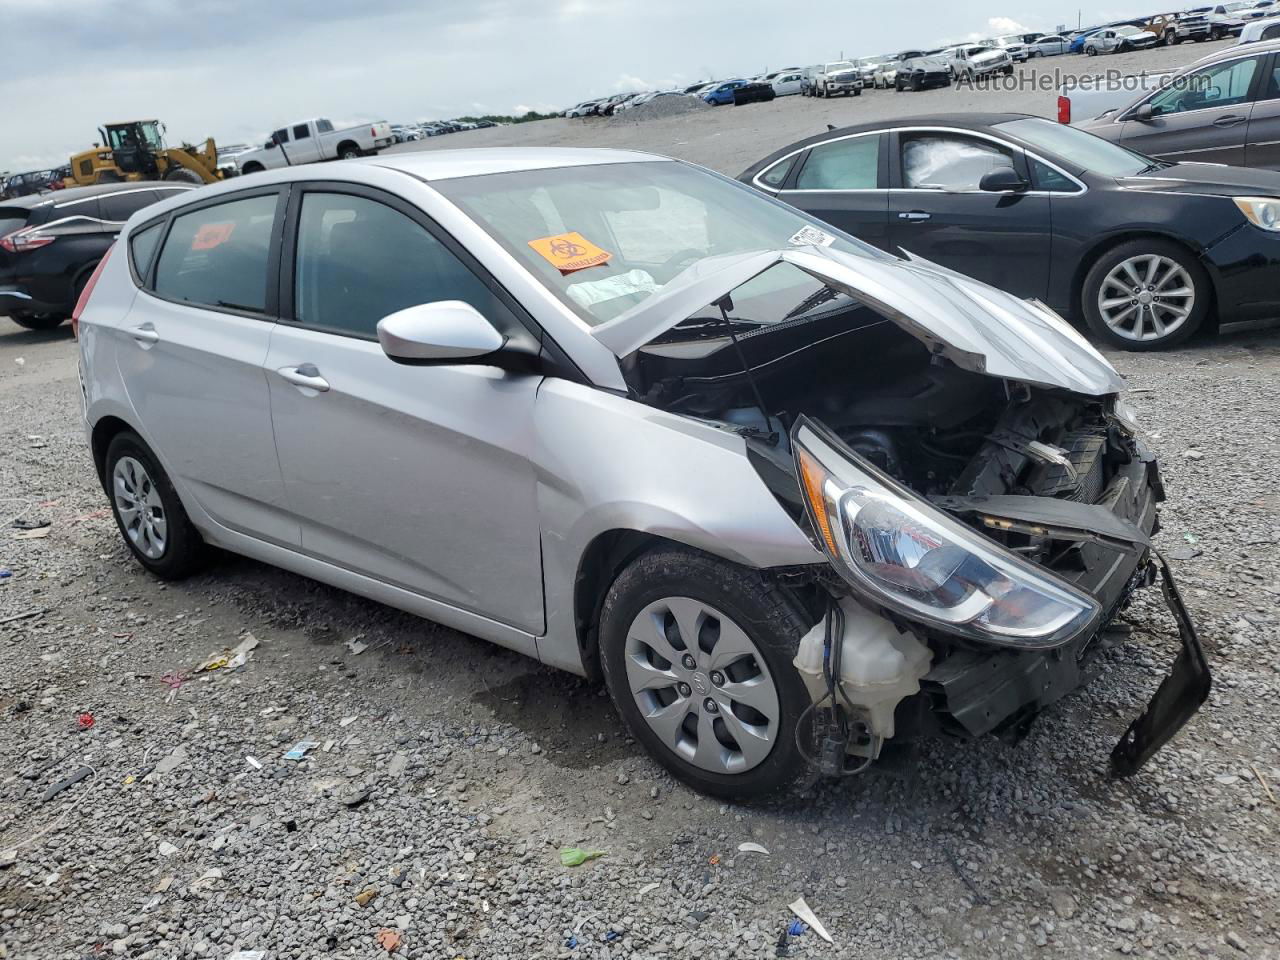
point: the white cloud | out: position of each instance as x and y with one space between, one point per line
627 82
1005 25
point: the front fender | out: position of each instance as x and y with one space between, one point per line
605 463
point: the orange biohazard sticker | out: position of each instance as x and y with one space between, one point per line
568 252
212 235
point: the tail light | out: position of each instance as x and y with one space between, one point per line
1064 109
21 241
87 292
373 132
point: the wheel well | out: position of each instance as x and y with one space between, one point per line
600 565
348 143
252 167
1100 249
104 431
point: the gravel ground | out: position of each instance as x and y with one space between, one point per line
447 773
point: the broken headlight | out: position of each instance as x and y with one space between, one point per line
900 552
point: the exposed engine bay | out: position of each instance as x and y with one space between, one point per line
1056 478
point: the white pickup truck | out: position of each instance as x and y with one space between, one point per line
311 141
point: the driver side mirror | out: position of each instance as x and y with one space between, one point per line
445 332
1001 180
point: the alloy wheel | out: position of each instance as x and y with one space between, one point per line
1147 297
140 509
701 685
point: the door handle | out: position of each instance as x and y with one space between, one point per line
1229 121
915 215
144 334
305 375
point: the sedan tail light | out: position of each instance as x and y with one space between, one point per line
21 241
87 292
1064 109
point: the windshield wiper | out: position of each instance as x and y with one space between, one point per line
813 300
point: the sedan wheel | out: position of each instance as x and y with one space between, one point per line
151 518
701 685
697 654
139 508
1146 294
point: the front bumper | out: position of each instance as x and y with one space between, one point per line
1245 265
971 691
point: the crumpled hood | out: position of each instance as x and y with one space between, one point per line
977 327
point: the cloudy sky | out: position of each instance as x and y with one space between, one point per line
236 69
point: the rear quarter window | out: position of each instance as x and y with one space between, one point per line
11 220
142 247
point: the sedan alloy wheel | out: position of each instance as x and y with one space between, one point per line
1147 297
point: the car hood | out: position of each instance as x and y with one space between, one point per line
988 55
924 63
977 327
1208 179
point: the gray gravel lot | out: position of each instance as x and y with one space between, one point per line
448 772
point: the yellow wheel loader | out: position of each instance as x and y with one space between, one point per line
136 151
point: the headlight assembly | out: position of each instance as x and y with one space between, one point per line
1263 212
898 551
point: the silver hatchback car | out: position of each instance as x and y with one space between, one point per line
791 497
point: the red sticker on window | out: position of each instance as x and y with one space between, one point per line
212 235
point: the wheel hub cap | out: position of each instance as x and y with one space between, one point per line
139 507
725 728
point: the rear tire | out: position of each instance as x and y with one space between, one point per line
252 168
349 151
1137 326
38 321
733 625
151 519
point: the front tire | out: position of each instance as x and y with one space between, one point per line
183 175
148 513
696 653
1146 294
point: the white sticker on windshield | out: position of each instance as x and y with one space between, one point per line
811 237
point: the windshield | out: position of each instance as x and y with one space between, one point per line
1077 147
841 65
1240 5
604 238
1126 31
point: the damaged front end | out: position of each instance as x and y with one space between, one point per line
963 460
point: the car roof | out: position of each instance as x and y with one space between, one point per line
480 161
72 194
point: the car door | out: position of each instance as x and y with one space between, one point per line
304 148
416 476
191 351
1262 139
937 211
842 181
1203 116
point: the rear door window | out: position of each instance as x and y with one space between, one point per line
219 256
849 164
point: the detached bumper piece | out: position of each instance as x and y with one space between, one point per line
1179 696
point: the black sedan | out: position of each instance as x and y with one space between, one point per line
49 245
754 91
1145 251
